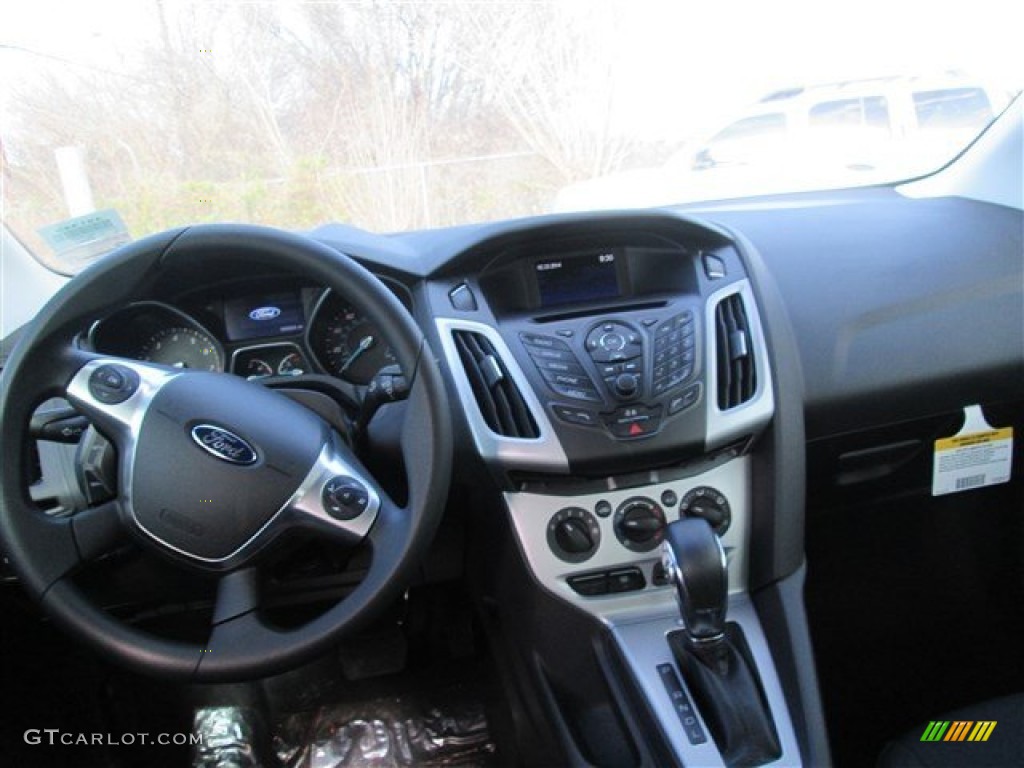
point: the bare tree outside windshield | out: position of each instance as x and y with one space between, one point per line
394 116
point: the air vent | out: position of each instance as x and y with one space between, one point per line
500 401
737 377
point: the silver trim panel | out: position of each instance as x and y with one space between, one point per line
531 512
751 416
644 645
544 453
307 499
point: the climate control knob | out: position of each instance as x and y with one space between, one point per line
639 524
573 534
709 504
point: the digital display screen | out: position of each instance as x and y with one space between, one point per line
578 278
253 317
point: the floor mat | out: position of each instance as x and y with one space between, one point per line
446 726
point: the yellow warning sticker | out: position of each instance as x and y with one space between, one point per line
976 457
978 438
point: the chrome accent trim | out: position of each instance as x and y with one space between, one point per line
306 501
199 430
123 421
544 453
675 577
531 512
746 419
644 645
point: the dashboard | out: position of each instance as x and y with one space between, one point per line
256 328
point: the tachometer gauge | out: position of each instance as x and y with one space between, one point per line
351 346
182 348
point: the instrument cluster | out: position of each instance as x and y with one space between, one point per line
255 331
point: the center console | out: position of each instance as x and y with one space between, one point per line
616 382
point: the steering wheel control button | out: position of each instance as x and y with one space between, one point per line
578 416
113 384
633 421
68 429
344 498
684 399
707 503
639 524
573 534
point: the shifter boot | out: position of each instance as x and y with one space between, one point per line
723 680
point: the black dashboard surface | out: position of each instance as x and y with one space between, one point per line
901 308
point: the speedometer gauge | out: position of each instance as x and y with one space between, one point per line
182 347
348 344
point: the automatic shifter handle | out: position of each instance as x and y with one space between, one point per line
694 559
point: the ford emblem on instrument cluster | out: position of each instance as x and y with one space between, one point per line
223 444
264 313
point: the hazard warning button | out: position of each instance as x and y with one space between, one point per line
633 421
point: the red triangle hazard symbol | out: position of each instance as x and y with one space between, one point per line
635 429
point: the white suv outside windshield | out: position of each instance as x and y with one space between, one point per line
392 116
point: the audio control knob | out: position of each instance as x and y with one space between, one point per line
627 384
573 534
639 524
707 503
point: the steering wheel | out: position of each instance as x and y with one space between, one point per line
211 467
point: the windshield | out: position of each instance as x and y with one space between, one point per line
391 116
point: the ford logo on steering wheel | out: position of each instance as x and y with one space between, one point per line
264 313
223 444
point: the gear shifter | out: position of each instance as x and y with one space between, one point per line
694 560
714 656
